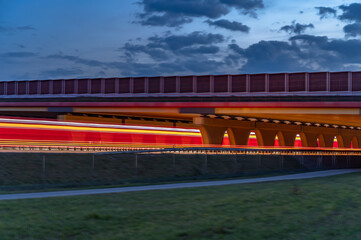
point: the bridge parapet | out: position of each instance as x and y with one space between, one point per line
313 83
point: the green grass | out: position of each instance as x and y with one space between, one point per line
323 208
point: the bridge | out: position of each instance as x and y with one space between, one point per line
319 106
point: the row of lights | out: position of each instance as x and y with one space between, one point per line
280 121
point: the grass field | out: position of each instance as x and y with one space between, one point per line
323 208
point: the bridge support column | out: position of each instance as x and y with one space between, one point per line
213 130
344 141
348 136
286 138
355 142
266 134
309 135
326 140
309 139
265 137
212 135
238 136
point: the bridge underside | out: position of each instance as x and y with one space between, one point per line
315 126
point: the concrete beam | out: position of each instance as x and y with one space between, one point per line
200 121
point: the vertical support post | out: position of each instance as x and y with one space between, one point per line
229 78
92 167
177 82
205 163
266 81
161 83
131 85
136 165
248 83
235 164
173 163
75 86
307 82
116 85
282 162
43 169
328 82
146 85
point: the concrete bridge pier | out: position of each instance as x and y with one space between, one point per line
286 138
238 136
212 134
348 136
265 137
213 130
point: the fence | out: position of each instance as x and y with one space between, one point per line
75 169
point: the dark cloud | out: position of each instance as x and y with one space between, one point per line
27 27
236 48
8 29
351 12
167 19
20 45
296 28
352 30
178 66
177 12
175 42
246 6
337 52
18 54
300 53
162 47
233 26
61 72
199 50
90 63
270 56
325 12
155 53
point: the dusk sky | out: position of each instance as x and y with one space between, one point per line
51 39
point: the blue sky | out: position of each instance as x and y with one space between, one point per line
42 39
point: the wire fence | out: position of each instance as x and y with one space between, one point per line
31 170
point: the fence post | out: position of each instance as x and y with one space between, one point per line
333 161
92 167
43 169
136 165
235 169
173 163
205 164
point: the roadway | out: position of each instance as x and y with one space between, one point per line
176 185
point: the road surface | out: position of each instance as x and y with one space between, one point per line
176 185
